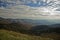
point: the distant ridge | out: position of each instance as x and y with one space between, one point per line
31 21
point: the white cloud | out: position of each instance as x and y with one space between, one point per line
23 11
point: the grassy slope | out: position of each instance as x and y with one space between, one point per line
10 35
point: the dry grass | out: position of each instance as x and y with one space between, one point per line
10 35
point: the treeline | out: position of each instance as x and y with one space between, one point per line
37 30
12 27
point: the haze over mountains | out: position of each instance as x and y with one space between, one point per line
29 26
31 21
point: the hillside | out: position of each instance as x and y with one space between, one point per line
15 30
10 35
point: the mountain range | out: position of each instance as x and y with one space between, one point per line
31 21
19 25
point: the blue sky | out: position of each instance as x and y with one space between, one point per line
31 3
6 4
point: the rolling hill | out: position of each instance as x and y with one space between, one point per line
11 35
15 30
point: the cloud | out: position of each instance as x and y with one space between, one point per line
21 10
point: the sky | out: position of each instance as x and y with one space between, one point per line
30 9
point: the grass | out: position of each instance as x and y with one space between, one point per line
10 35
